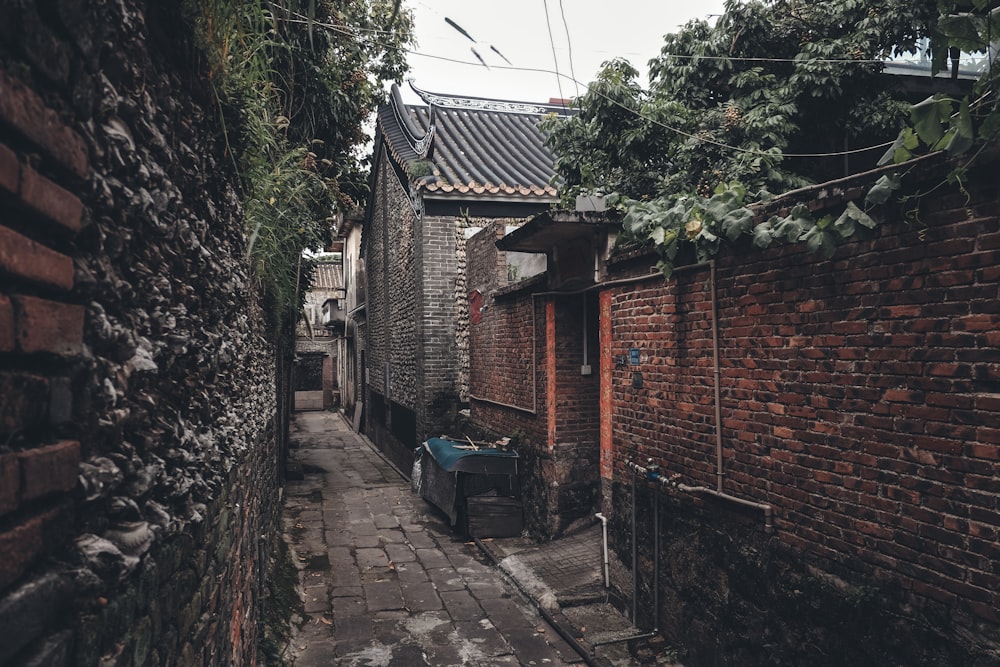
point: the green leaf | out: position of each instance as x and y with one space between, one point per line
927 117
882 190
964 134
821 241
990 127
844 225
763 235
860 216
666 268
657 235
897 152
737 222
791 228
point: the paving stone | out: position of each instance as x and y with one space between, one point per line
369 558
461 606
346 591
484 635
419 539
347 606
432 558
421 597
345 576
487 589
367 541
356 627
411 573
382 595
446 579
400 553
315 599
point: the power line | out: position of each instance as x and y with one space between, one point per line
555 60
678 131
569 47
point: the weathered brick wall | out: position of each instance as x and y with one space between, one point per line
437 312
138 455
859 399
391 260
556 422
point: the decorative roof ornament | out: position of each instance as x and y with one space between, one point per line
480 104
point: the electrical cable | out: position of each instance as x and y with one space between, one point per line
678 131
555 59
569 47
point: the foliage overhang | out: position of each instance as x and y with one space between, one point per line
774 96
295 80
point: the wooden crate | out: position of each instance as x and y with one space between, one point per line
494 516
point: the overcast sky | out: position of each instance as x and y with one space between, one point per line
598 30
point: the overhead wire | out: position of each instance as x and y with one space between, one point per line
552 42
569 47
559 76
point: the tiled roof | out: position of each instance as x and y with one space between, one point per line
475 146
328 276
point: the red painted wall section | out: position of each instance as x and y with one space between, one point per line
607 433
550 366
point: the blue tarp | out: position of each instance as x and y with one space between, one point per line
483 461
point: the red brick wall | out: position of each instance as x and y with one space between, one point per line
526 356
860 397
41 325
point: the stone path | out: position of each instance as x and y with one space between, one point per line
383 579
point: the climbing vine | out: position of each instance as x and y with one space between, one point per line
773 96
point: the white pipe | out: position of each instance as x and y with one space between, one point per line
607 572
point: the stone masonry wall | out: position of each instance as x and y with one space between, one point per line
437 268
391 258
859 400
138 455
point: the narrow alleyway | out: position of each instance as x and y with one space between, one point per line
384 580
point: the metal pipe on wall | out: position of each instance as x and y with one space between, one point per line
635 563
604 542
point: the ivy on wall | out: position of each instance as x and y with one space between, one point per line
775 95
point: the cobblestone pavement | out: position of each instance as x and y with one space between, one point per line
384 581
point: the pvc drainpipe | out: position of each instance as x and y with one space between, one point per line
716 376
604 530
635 563
656 562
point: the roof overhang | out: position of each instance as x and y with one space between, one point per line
557 228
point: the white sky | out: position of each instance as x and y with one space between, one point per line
599 30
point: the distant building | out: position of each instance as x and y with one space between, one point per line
438 170
316 343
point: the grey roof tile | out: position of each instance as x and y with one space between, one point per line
477 146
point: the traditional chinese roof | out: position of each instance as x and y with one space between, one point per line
470 146
328 276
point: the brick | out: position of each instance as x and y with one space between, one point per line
50 469
20 545
26 112
48 326
10 483
24 258
52 201
10 170
8 339
25 402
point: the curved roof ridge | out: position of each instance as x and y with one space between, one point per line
448 100
419 140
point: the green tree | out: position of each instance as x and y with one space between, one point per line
774 95
295 81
